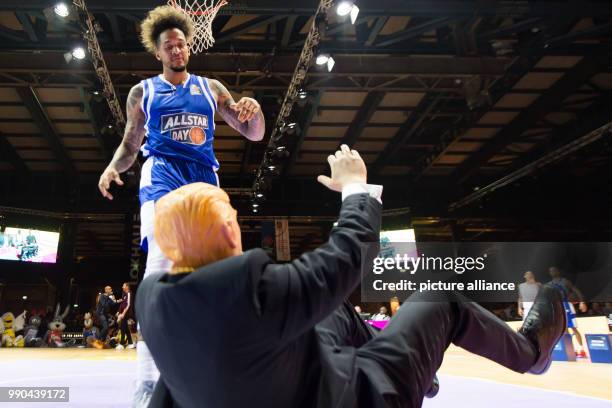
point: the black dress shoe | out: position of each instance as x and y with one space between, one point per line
435 387
545 325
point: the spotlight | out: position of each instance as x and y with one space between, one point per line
280 151
255 205
24 297
271 167
326 59
62 10
259 195
322 59
290 129
78 53
347 7
344 8
255 211
96 93
330 64
75 306
302 94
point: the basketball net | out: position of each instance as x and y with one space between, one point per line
202 12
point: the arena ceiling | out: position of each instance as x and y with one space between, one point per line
440 97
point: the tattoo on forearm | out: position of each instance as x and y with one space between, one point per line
252 129
134 131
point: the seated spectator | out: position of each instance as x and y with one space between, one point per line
381 315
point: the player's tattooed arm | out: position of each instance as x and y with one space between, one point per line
130 145
245 116
134 131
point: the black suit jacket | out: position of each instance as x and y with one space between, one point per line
240 332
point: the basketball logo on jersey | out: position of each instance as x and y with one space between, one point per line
185 127
195 90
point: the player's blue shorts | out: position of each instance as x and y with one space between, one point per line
159 176
570 313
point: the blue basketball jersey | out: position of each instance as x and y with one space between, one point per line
180 120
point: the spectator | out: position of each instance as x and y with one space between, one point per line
382 314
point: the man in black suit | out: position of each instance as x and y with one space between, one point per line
288 339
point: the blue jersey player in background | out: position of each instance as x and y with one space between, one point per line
175 112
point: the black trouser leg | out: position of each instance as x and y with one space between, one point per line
104 329
125 332
344 327
411 348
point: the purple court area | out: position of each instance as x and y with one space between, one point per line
109 383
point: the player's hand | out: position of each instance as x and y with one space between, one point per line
347 167
583 307
247 108
109 175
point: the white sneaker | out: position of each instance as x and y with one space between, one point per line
131 346
143 394
119 347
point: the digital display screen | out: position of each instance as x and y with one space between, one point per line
28 245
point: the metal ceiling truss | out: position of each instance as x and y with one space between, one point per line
283 29
300 72
100 68
417 8
548 159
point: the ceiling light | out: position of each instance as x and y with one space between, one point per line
255 205
347 7
344 8
354 14
24 297
78 53
330 64
61 9
259 195
322 59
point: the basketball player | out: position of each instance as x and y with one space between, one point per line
570 292
175 111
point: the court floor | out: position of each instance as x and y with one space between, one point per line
105 378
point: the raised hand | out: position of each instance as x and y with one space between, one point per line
347 167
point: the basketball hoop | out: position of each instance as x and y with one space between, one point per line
202 12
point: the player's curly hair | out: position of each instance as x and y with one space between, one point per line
161 19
